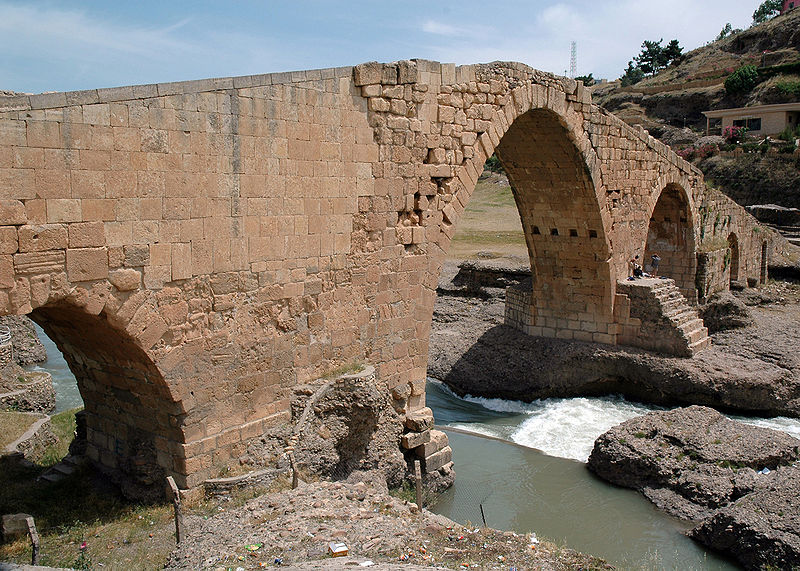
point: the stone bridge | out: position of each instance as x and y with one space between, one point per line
199 249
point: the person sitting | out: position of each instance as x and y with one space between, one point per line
634 268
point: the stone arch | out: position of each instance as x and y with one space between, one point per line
552 170
132 421
733 263
670 234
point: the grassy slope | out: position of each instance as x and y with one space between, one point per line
490 225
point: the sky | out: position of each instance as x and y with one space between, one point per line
85 44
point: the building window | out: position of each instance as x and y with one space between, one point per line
752 124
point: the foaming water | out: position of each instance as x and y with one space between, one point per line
564 428
532 482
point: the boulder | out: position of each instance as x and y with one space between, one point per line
724 311
740 482
760 529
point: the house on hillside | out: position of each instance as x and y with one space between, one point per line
788 5
759 119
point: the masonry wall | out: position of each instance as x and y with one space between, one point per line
234 237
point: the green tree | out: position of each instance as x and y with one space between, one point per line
651 58
726 31
632 75
742 80
767 10
672 52
654 57
587 80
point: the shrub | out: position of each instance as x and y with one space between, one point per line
742 80
733 134
789 88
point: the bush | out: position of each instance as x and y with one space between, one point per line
493 164
789 88
742 80
733 134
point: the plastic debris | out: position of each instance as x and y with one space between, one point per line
366 563
764 471
337 549
278 561
253 547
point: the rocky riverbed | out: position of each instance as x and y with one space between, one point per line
751 370
294 529
740 482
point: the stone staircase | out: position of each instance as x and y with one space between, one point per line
656 316
65 468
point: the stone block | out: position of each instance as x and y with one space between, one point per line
86 264
15 525
12 212
419 420
412 440
367 73
126 279
42 237
438 441
437 460
87 235
407 71
137 255
64 210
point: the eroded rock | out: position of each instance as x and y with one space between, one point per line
740 481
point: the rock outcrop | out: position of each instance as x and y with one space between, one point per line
739 481
724 311
28 349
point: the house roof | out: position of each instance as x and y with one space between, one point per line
752 110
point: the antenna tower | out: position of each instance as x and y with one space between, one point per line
573 61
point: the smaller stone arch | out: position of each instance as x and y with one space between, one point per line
670 234
733 259
132 421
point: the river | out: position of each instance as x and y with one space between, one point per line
525 464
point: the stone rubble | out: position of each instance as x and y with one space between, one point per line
293 528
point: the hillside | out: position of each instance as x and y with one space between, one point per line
678 95
670 106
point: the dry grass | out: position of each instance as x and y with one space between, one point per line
490 224
13 425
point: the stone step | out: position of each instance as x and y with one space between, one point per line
65 469
51 477
682 315
699 345
697 334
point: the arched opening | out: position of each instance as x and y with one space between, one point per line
569 254
733 247
130 417
764 263
670 235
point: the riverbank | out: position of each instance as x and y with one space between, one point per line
753 370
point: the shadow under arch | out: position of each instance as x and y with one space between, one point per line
572 287
670 234
131 419
733 263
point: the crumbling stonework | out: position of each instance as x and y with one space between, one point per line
199 249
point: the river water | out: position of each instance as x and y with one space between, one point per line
525 464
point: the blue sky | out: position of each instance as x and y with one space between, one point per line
84 44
